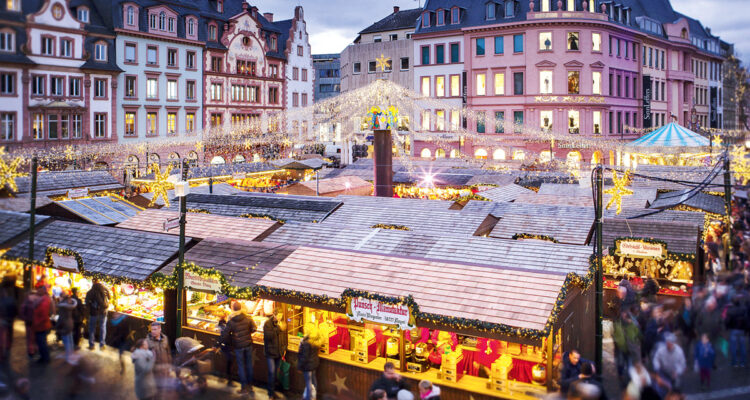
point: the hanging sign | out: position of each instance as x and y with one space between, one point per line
197 282
361 309
78 193
640 249
171 223
65 263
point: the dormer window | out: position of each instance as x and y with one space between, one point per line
441 17
13 5
627 17
100 51
491 9
426 19
592 6
510 8
684 33
220 6
212 32
83 14
162 20
546 5
273 42
152 21
7 40
170 24
455 15
130 18
191 27
571 5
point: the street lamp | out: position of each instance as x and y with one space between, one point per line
181 190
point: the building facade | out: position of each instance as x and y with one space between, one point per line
299 73
327 76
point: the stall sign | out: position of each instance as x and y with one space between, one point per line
239 176
639 249
78 193
65 263
361 309
171 223
197 282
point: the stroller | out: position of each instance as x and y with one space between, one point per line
192 364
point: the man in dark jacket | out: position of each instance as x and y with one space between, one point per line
390 382
586 377
571 369
273 351
79 313
64 325
8 312
307 362
238 336
736 323
97 301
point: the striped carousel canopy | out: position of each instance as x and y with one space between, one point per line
671 135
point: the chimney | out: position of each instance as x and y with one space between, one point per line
395 9
244 6
269 16
254 11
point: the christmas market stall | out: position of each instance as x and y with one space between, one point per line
62 182
69 254
15 228
80 206
480 331
330 187
671 144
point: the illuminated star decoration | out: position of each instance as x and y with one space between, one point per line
618 190
198 146
9 173
69 153
160 185
340 384
740 164
717 141
382 63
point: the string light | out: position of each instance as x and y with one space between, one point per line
160 184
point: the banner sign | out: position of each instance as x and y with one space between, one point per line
65 263
361 309
640 249
647 123
197 282
78 193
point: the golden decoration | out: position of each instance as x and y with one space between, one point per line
70 154
618 190
340 384
382 62
198 146
9 172
717 141
160 185
740 163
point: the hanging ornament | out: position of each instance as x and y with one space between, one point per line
619 190
160 185
9 172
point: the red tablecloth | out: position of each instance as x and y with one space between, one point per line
521 370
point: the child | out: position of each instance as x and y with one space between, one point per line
704 359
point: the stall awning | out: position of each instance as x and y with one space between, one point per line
201 225
688 197
14 225
100 210
508 192
680 237
671 135
564 231
114 252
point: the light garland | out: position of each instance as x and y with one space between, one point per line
521 236
392 227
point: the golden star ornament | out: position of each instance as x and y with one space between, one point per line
9 173
618 190
160 185
382 63
740 164
340 384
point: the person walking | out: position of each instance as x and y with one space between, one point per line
705 356
79 313
669 360
273 351
41 323
120 335
64 326
158 343
97 301
8 313
143 362
390 382
237 335
307 362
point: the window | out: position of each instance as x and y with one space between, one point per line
596 41
545 82
597 122
404 63
100 125
440 120
517 121
52 126
491 8
455 15
546 5
425 19
220 6
574 121
574 82
480 46
216 91
83 14
74 87
455 86
212 32
130 50
7 126
573 41
7 83
171 123
152 55
130 86
627 49
499 121
190 90
440 86
162 20
499 83
191 27
130 16
215 119
392 37
37 85
304 99
304 74
129 123
100 52
517 83
440 54
170 24
152 21
571 5
190 60
295 73
100 88
66 48
171 57
172 89
216 64
13 5
189 122
627 86
151 123
499 48
152 88
454 53
37 126
455 119
425 86
425 120
619 85
545 41
596 87
57 86
510 8
481 84
480 121
545 120
356 68
295 100
48 46
371 67
273 95
76 124
425 55
518 43
377 39
618 49
7 41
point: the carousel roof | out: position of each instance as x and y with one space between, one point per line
671 135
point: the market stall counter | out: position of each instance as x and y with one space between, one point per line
488 332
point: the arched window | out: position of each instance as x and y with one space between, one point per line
131 15
573 158
191 27
480 154
684 33
510 8
426 153
154 158
162 20
83 14
596 158
439 153
238 159
491 8
218 160
453 153
519 155
498 154
212 32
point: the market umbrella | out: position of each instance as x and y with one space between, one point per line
670 136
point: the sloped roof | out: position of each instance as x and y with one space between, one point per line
14 224
218 188
333 185
57 183
504 193
688 197
403 19
680 237
570 231
395 202
101 210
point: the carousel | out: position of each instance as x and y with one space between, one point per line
671 144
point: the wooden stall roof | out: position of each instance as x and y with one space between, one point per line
58 183
579 201
100 210
23 204
278 206
331 185
13 225
700 200
218 188
508 192
217 170
416 219
291 163
680 237
495 178
520 254
570 231
242 263
561 189
201 225
394 202
521 299
120 253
